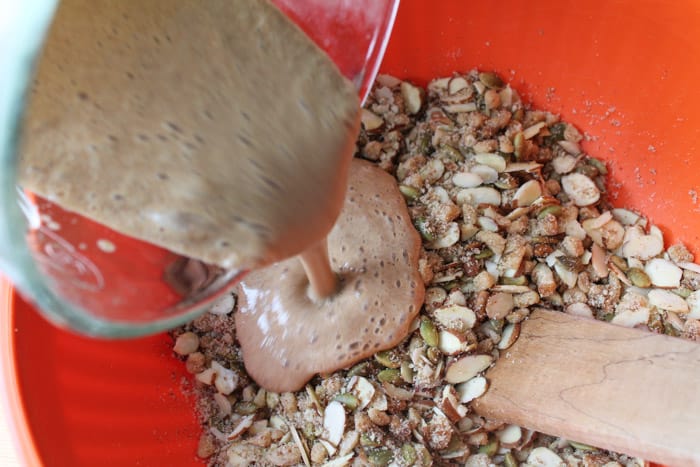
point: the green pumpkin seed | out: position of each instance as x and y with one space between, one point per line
557 132
520 280
358 370
639 278
245 408
428 332
587 170
422 226
506 182
409 454
509 460
669 330
489 449
682 292
553 209
388 358
451 153
390 375
581 446
348 400
367 440
491 80
424 145
484 253
409 192
599 165
380 457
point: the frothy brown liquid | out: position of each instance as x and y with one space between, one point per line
216 129
287 337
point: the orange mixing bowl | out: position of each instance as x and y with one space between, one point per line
623 71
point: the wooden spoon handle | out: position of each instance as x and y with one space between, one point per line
616 388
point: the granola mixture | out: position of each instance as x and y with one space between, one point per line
513 215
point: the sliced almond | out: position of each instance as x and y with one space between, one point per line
533 130
455 317
694 305
631 318
458 108
361 388
330 449
667 301
509 335
689 266
597 222
579 309
625 216
486 173
456 84
467 367
527 193
564 164
370 120
566 275
580 189
412 97
605 231
495 161
544 457
512 289
334 422
472 389
223 403
571 147
207 376
522 167
245 423
447 239
450 406
449 344
479 195
499 304
656 232
398 393
467 180
487 224
663 273
510 436
643 247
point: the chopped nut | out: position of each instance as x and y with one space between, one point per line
663 273
580 189
412 96
467 367
667 301
472 389
509 336
544 457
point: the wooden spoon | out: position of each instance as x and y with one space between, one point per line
608 386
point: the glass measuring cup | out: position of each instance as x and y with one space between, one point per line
89 278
